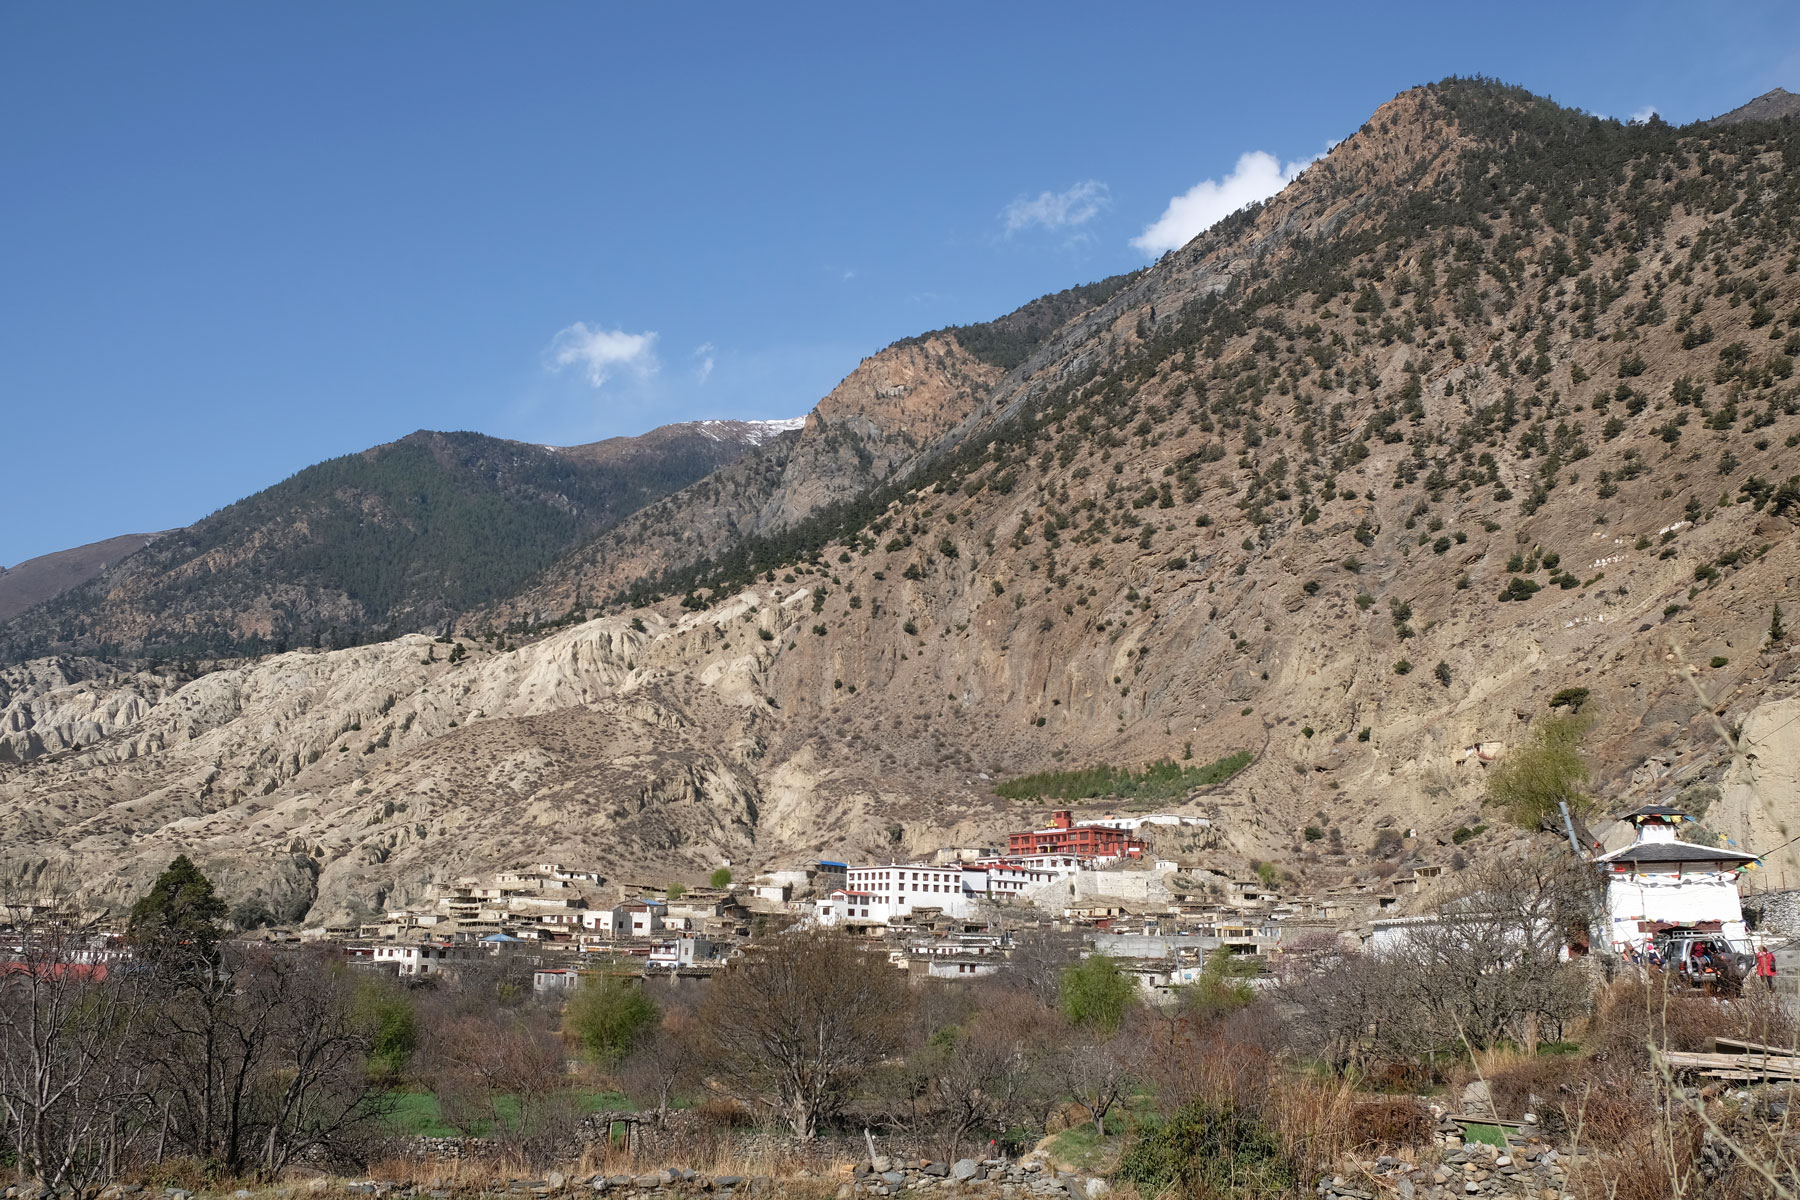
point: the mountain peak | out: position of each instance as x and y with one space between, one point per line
1773 105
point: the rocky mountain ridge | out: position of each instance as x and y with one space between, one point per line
32 582
1494 403
402 536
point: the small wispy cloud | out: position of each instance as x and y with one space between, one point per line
1257 176
1057 210
704 366
1644 113
602 353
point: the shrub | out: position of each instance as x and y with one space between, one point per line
1531 781
1393 1121
1213 1149
1161 780
1402 667
1095 993
1571 698
1520 588
608 1015
251 914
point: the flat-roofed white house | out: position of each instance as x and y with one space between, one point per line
681 952
1004 881
1660 882
422 958
843 905
880 894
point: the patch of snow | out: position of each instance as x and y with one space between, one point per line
756 432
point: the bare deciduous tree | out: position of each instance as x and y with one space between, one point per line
1097 1068
795 1024
503 1074
1488 965
72 1084
987 1073
669 1058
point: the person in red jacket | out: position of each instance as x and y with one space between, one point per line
1765 967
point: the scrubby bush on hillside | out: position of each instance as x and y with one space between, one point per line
1531 781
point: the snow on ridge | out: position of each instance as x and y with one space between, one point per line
756 432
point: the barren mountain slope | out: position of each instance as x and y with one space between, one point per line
1495 401
359 778
38 579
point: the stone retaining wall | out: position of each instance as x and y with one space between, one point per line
1531 1170
986 1179
1777 912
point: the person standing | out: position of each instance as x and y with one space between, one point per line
1765 967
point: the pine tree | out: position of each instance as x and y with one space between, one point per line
181 912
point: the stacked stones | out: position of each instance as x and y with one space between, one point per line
996 1178
1532 1171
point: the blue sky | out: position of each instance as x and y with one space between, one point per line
237 239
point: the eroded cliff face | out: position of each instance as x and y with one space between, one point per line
340 782
893 406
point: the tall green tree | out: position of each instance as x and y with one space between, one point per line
1095 993
1533 780
609 1015
180 911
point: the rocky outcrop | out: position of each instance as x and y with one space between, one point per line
893 406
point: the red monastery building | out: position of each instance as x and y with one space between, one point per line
1083 841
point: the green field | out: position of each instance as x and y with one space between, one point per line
419 1114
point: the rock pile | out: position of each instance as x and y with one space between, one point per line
993 1177
1533 1171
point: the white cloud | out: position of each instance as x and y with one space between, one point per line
600 353
703 352
1644 113
1057 210
1258 176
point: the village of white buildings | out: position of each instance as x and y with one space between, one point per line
1143 889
